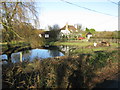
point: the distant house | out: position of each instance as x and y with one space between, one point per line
88 35
67 29
43 33
46 34
52 35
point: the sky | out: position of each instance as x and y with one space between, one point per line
53 12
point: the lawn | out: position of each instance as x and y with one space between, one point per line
79 43
86 47
73 43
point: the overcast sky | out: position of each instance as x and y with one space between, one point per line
59 12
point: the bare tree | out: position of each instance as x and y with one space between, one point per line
79 27
16 12
56 27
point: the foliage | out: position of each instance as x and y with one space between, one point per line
16 18
54 34
63 72
29 34
107 34
99 59
53 37
25 31
87 30
116 34
90 30
7 36
54 27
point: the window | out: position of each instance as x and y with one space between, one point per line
46 35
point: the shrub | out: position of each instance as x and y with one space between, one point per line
59 72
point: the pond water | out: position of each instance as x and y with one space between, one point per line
33 54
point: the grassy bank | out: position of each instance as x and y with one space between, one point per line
14 45
79 43
92 49
73 43
81 71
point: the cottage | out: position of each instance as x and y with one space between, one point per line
67 29
88 35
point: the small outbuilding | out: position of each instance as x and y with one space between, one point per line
88 35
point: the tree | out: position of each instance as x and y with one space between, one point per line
16 12
87 30
56 27
79 27
49 28
90 30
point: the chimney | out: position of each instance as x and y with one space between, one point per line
76 26
67 26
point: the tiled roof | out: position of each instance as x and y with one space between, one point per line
70 27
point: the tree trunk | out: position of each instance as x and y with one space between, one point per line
9 53
9 58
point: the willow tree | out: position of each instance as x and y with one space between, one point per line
17 13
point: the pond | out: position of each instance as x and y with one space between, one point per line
38 53
33 54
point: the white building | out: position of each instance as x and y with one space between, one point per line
68 29
89 35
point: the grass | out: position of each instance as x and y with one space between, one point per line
79 43
91 50
86 47
72 43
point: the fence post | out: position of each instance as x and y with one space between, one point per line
20 56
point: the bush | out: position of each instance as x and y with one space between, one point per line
59 72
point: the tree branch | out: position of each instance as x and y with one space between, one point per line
10 28
14 11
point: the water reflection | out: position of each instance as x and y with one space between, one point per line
33 54
4 56
54 53
67 50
